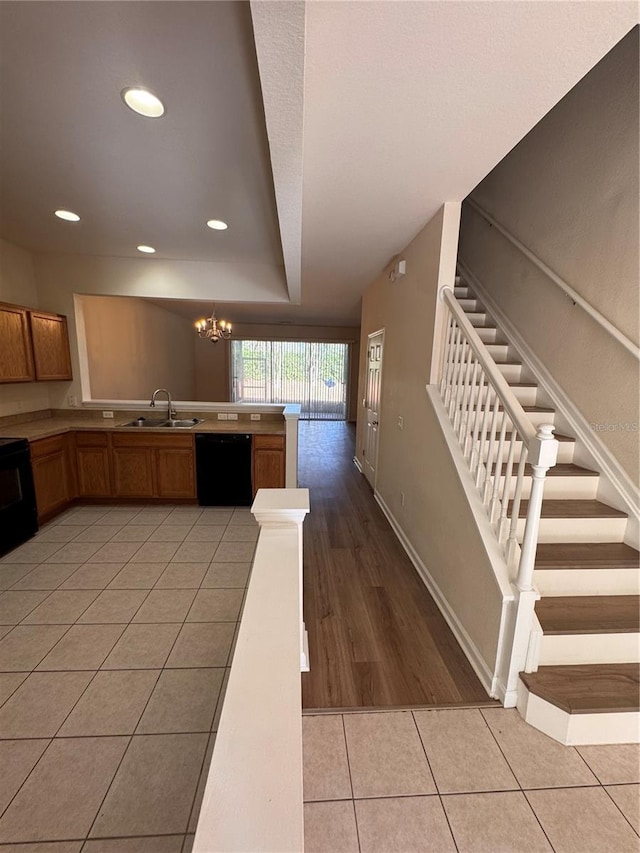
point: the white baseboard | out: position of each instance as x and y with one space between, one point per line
356 462
480 667
605 462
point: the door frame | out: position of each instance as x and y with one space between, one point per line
382 332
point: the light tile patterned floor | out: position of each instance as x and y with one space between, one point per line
116 633
472 781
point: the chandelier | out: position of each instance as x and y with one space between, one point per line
213 329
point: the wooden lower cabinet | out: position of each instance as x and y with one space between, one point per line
175 471
52 466
93 464
153 466
104 464
268 462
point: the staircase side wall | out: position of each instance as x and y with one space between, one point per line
435 522
569 192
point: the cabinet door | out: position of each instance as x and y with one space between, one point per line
92 462
16 360
133 472
268 462
175 473
50 346
50 464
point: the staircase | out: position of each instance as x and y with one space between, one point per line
586 686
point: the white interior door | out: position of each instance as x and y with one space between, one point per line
372 405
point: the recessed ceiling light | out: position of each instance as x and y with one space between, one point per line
67 215
143 102
217 225
148 250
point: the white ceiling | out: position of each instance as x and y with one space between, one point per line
375 113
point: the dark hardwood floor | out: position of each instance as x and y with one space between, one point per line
376 637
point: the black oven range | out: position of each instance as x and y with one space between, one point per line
18 512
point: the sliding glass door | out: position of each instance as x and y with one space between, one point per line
310 373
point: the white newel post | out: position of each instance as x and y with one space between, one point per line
543 454
285 508
291 415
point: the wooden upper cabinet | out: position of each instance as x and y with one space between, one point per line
50 346
16 360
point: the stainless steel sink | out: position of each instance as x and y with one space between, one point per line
154 423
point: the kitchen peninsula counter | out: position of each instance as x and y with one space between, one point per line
56 425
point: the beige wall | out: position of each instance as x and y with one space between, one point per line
436 517
569 192
17 285
133 347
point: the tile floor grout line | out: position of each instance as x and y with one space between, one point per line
604 788
353 801
462 793
446 817
588 766
538 821
508 763
204 758
424 749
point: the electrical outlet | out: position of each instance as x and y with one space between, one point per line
400 422
72 400
401 498
232 416
107 414
223 416
255 416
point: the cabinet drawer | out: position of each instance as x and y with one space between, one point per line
153 440
46 446
91 439
268 442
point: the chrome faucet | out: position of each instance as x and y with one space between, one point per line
171 413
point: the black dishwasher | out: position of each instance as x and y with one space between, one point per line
223 469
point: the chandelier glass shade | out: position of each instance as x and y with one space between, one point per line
213 329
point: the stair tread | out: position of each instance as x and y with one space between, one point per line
587 688
589 614
572 508
586 555
562 469
532 409
558 435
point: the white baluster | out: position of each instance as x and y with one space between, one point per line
503 524
489 402
468 413
483 390
543 454
512 542
494 509
463 393
486 491
447 354
454 370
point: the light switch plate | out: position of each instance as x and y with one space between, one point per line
232 416
107 414
255 416
222 416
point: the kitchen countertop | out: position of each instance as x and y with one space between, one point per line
46 427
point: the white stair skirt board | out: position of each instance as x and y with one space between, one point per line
577 529
356 462
563 582
567 649
577 729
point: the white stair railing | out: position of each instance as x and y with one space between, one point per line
498 440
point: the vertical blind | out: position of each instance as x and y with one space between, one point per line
310 373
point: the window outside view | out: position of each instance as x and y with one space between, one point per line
306 372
